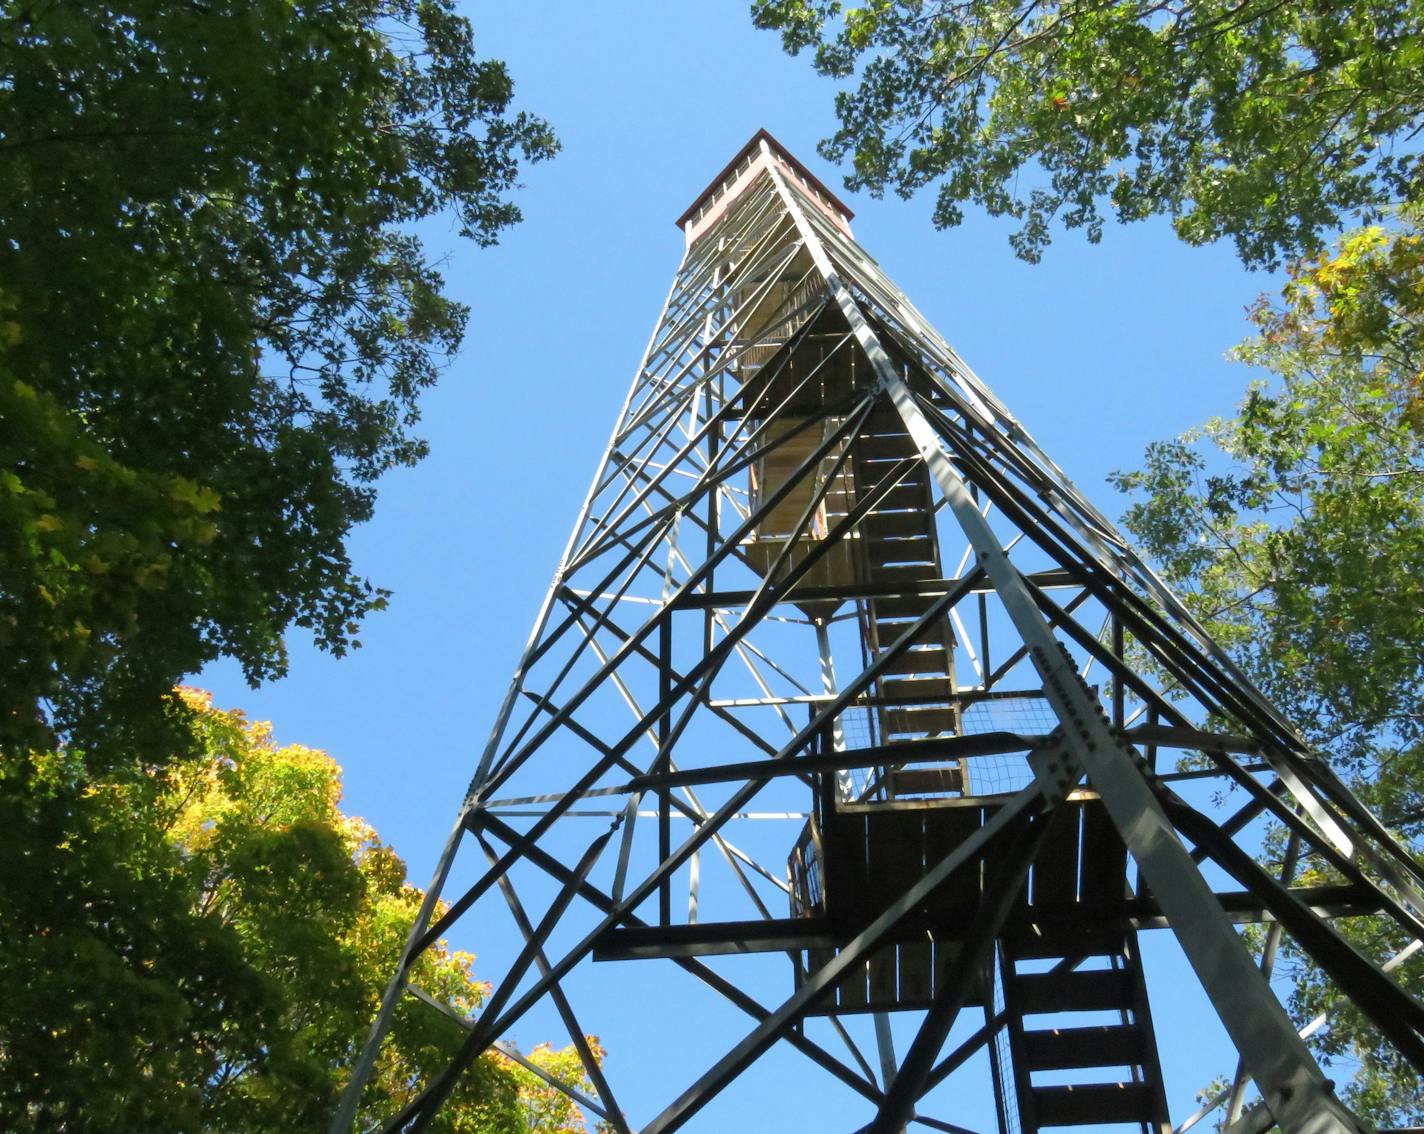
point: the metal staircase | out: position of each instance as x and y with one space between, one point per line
1116 1079
1075 1002
915 696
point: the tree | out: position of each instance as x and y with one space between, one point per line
1266 122
215 326
546 1108
203 949
1300 542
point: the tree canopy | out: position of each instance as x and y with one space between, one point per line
201 948
1296 531
1263 122
215 325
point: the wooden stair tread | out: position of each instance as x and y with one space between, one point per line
885 523
901 606
926 781
1075 991
1044 939
902 572
900 721
904 495
1058 1049
902 553
1093 1104
915 689
934 660
886 542
889 632
887 446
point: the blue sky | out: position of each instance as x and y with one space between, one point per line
1098 350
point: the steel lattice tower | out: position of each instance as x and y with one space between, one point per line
822 571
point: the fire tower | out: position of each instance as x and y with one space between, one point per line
847 709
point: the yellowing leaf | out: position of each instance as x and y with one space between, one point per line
195 495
